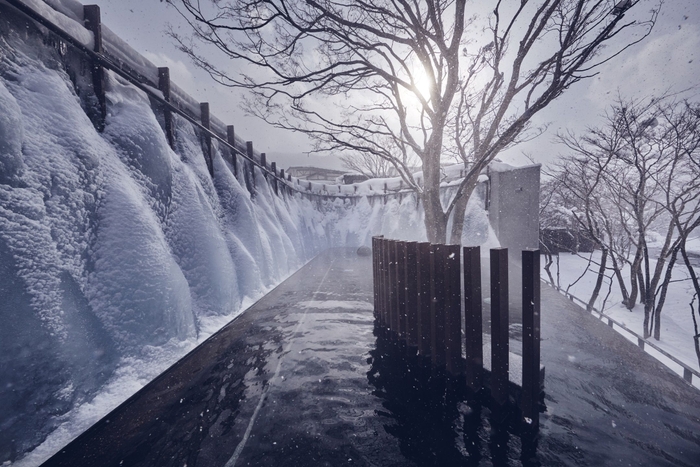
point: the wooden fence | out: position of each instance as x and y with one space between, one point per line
424 292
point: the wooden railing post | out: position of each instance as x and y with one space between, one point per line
231 138
393 302
387 286
375 273
531 338
472 318
401 289
411 294
273 169
205 120
423 268
499 325
92 21
453 310
164 87
437 304
250 174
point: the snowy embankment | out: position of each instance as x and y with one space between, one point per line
570 273
118 255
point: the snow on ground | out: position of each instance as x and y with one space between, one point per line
676 321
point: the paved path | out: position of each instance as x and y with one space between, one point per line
303 379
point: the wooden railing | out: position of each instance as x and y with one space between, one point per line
418 299
689 374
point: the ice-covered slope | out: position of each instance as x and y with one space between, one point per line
118 254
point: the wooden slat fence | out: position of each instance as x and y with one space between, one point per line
428 297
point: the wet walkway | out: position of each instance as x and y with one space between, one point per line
304 379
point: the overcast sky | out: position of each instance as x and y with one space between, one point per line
667 60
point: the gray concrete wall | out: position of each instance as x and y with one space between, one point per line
514 199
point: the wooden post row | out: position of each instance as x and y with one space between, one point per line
531 338
499 325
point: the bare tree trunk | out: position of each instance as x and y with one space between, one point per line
599 280
435 219
634 276
548 264
664 291
458 219
696 337
459 210
620 279
558 274
696 286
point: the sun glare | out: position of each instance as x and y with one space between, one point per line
421 81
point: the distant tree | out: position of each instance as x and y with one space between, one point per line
368 165
391 79
636 175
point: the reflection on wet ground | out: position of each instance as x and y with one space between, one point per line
304 378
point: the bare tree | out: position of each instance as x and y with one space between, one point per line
636 175
396 78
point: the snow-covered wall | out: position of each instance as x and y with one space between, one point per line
119 254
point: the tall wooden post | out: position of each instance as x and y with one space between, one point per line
92 21
499 325
376 268
411 300
385 283
424 298
531 338
164 87
401 288
453 310
206 147
472 318
437 304
231 139
393 290
273 168
250 175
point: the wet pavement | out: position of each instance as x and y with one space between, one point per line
303 378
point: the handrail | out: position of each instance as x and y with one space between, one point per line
688 372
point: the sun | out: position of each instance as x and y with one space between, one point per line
421 81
